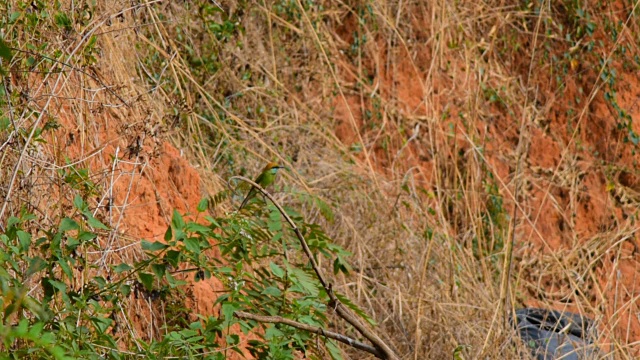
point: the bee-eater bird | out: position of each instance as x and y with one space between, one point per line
266 178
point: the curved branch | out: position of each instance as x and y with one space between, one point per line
313 329
334 303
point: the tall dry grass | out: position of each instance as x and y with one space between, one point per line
413 120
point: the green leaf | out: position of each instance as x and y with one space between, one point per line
27 216
272 291
36 330
275 221
39 242
159 270
5 51
62 20
276 270
10 309
192 245
334 350
325 210
86 236
78 203
179 234
177 221
228 309
122 268
72 243
221 299
173 282
25 239
232 340
93 222
203 205
65 268
458 352
305 281
341 265
92 41
272 332
152 246
100 281
195 227
14 16
173 257
101 323
35 265
168 234
12 221
345 301
67 224
125 289
5 123
146 280
225 270
22 328
60 286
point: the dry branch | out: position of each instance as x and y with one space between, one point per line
334 303
314 329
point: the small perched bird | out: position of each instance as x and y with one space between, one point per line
265 179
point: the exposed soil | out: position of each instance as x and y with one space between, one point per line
579 178
579 174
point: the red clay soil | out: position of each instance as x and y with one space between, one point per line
150 179
578 180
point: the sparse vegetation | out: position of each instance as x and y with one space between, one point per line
421 139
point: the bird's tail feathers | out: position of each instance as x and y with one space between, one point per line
250 194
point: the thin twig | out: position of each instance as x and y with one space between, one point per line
77 69
43 111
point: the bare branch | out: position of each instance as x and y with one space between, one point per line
334 303
313 329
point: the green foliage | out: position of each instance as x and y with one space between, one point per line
44 326
89 51
78 179
315 202
490 242
61 299
263 269
5 51
63 21
266 273
624 120
494 96
5 54
65 318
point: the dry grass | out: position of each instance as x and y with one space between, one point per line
414 120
